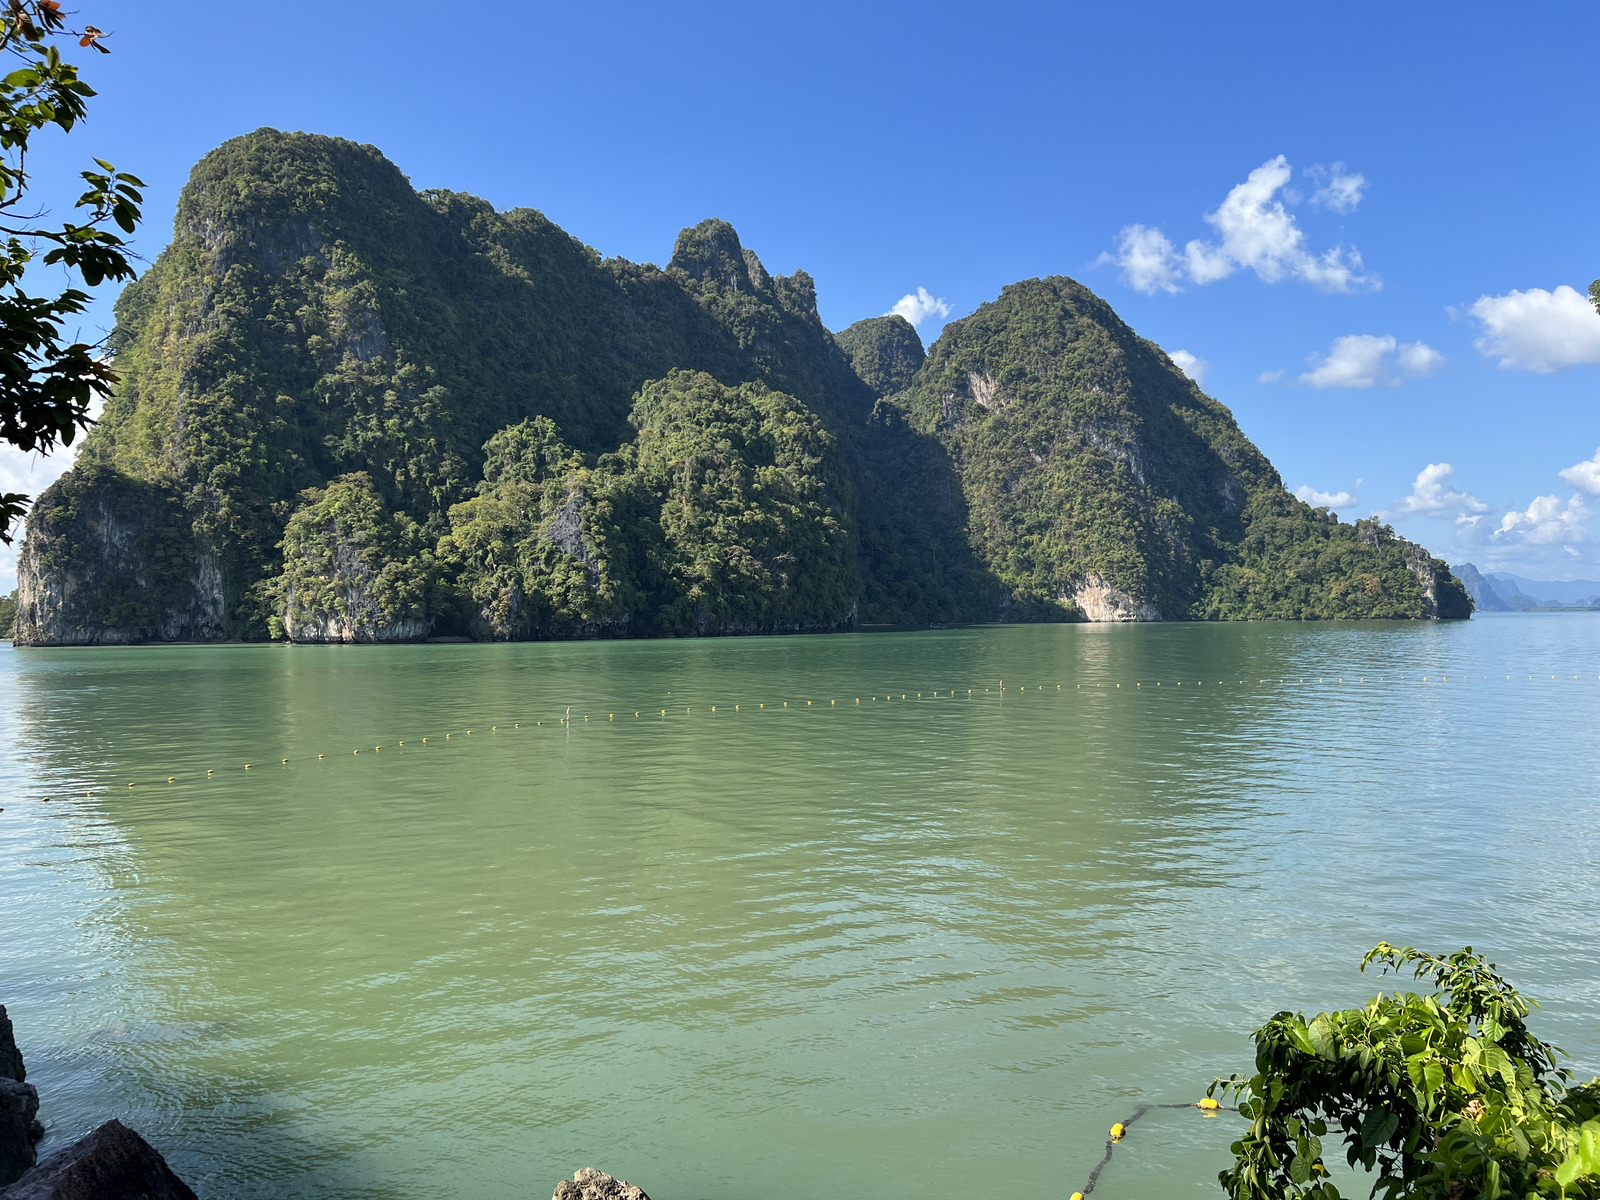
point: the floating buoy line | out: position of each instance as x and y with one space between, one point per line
1119 1132
725 711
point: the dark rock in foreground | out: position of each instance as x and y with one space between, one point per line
19 1106
10 1057
586 1184
112 1163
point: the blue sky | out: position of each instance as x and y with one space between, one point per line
1359 218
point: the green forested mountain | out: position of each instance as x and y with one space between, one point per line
1099 476
353 411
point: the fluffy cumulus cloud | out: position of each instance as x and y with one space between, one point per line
1191 365
1432 495
1538 330
1149 262
919 306
1585 476
1328 499
1363 360
1255 232
1547 522
1339 189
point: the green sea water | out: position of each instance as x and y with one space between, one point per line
927 944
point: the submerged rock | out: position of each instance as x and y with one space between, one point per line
112 1163
586 1184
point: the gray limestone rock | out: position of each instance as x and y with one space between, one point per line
586 1184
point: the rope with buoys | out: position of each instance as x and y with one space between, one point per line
1085 689
1120 1130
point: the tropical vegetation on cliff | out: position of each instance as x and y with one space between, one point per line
580 447
352 570
1440 1096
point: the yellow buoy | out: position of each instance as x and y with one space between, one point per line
1208 1105
46 799
247 766
286 760
1117 1132
447 735
1077 1196
209 772
130 785
402 743
518 725
172 778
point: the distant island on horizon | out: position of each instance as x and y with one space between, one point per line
354 412
1502 591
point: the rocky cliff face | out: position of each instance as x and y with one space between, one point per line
1446 596
111 560
353 571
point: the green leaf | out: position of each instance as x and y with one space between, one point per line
1300 1169
1433 1076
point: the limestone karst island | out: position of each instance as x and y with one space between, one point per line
353 412
708 601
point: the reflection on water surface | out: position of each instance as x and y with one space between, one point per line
926 943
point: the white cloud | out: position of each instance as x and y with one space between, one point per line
1362 360
1327 499
1191 365
1148 260
1538 330
1585 476
1270 376
1255 232
1340 189
918 306
29 474
1547 522
1431 494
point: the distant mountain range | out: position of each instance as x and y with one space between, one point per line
1505 592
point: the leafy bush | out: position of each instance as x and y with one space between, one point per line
1445 1096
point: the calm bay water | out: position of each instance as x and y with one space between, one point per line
936 944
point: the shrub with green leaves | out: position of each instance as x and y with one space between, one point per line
1446 1095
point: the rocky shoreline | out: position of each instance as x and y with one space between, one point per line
112 1163
115 1163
